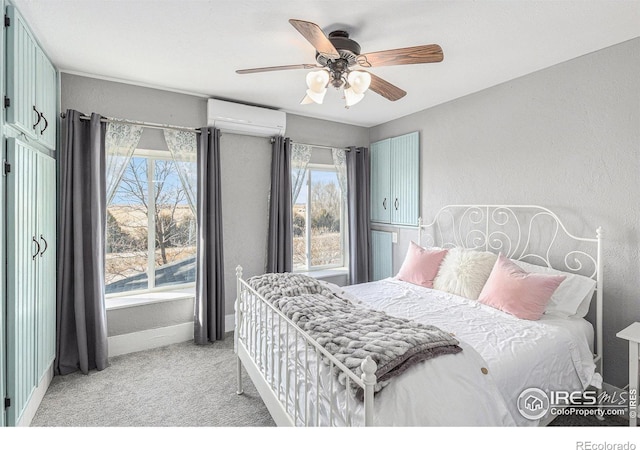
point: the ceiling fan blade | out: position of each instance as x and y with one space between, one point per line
386 89
314 34
410 55
274 68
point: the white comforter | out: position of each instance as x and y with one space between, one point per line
550 354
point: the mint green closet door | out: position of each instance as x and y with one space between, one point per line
46 101
382 254
46 275
380 153
405 179
21 75
22 265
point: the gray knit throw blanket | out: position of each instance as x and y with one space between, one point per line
351 332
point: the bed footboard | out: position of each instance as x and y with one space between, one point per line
295 376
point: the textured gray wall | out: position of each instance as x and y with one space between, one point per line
152 315
245 162
568 138
322 132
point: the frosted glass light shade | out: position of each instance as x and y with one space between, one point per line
359 81
317 81
317 97
306 100
351 97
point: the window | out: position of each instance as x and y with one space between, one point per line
151 229
319 221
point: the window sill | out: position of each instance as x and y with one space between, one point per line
326 273
130 301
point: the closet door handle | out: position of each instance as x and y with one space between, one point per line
46 245
33 257
384 203
39 117
46 124
396 204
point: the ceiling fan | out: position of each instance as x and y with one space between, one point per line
336 56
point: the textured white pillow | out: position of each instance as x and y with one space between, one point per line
464 272
573 296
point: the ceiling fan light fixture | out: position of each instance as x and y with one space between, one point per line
359 81
352 97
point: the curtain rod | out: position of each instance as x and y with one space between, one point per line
346 149
156 126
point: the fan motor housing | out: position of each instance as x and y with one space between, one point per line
347 48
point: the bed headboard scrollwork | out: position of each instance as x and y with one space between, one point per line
523 232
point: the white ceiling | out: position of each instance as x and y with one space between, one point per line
196 45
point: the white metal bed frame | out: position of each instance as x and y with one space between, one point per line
507 229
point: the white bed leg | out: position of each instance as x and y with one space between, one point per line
369 368
239 389
238 311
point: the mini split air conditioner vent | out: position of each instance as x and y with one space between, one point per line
243 119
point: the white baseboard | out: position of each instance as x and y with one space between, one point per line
36 398
148 339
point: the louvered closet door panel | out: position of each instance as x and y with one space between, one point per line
46 283
21 74
46 80
382 254
21 273
380 181
405 179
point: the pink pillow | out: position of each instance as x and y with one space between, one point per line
513 290
421 265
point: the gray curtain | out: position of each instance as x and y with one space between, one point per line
209 308
359 204
81 329
280 236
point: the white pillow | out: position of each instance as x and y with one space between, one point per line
573 296
464 272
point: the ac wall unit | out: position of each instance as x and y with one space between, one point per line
243 119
